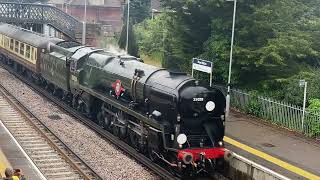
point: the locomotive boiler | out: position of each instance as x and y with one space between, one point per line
165 115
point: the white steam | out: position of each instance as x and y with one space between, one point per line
115 50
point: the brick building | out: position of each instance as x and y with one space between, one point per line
108 13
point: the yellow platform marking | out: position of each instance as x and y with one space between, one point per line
4 163
272 159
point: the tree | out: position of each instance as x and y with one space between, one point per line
139 11
132 46
275 40
190 28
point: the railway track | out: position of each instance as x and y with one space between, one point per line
163 173
52 157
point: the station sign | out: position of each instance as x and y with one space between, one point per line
203 66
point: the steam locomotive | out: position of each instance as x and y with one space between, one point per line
165 115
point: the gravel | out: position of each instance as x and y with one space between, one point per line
106 159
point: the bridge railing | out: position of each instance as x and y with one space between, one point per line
39 14
281 113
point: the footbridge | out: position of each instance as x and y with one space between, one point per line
24 13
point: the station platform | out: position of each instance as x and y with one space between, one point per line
12 155
287 153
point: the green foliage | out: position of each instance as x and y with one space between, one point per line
277 42
154 37
150 35
314 106
254 106
139 11
132 46
314 126
153 59
314 123
270 42
288 89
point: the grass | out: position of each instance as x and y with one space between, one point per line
154 59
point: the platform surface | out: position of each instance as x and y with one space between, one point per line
12 156
280 150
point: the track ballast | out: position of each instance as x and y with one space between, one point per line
52 157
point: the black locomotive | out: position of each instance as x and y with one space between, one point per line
165 115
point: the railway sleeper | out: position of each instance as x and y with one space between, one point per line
54 164
41 144
45 161
61 174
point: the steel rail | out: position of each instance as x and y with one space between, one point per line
28 116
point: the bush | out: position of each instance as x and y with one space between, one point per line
314 123
314 128
254 106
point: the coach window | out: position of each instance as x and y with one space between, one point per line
22 49
6 43
1 40
11 44
32 53
35 53
27 51
16 46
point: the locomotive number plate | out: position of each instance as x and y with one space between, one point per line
197 99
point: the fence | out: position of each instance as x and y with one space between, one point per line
280 113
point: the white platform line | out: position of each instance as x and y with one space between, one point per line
24 153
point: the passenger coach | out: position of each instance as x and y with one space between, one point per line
24 46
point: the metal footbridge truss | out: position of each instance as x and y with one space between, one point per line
21 13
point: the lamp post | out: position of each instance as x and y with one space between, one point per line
303 83
230 61
128 16
84 23
152 13
68 3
